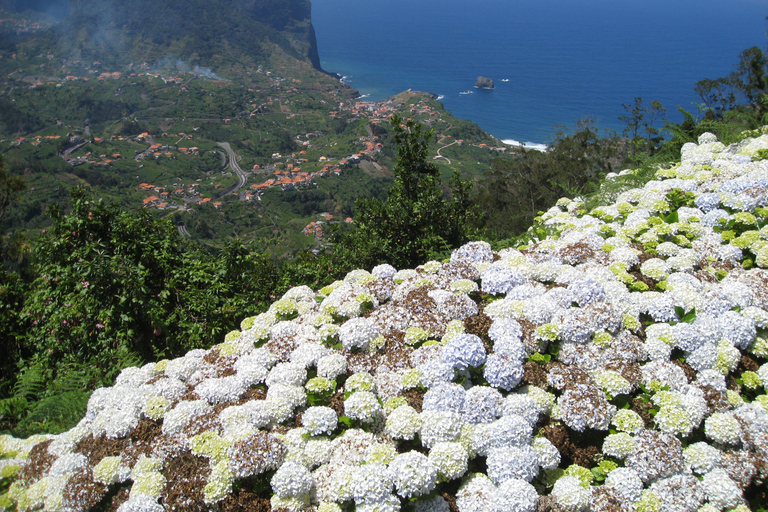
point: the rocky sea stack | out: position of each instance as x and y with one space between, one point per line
484 83
615 362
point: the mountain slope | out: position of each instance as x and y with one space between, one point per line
226 36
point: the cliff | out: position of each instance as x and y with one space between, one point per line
617 362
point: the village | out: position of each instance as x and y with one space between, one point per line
315 156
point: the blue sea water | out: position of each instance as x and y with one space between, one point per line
566 60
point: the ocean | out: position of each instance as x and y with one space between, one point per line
554 62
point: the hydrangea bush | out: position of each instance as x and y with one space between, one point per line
618 363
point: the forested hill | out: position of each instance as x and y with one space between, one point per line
227 36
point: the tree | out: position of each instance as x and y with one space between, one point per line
751 77
718 95
640 121
514 191
417 220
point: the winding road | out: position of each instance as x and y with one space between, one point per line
241 177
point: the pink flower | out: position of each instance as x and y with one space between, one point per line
99 326
85 284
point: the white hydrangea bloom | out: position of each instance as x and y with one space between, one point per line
619 446
357 333
319 420
723 428
403 423
627 482
292 479
363 406
547 453
720 490
570 495
476 493
702 457
413 474
450 459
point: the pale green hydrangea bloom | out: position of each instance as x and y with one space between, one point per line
584 475
219 483
415 335
156 407
209 444
505 309
734 398
464 286
602 339
319 385
431 267
655 268
107 470
723 428
361 381
648 502
328 289
627 420
148 482
453 329
450 459
393 403
411 379
380 454
762 400
360 277
612 383
547 332
728 357
750 380
674 419
619 446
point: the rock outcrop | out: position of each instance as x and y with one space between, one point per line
484 82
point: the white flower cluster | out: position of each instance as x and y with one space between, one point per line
639 321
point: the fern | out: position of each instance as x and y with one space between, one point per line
54 414
31 383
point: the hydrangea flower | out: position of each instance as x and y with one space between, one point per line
482 404
450 459
501 279
363 406
439 426
291 479
331 366
413 474
627 482
357 333
502 371
403 423
445 397
547 454
723 428
570 495
477 492
720 490
619 446
319 420
464 351
627 420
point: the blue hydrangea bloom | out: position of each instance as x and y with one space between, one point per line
707 202
501 279
587 291
447 396
464 351
503 372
